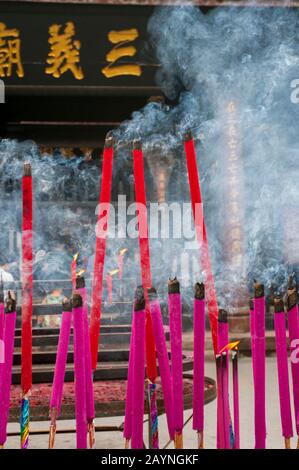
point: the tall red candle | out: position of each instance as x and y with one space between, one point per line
144 255
27 280
100 250
201 233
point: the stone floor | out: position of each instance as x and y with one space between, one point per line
114 440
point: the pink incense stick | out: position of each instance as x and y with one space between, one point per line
175 324
236 399
293 325
283 373
252 335
138 369
80 381
260 367
2 316
129 391
225 398
61 356
6 369
163 360
223 339
90 409
60 366
220 427
199 362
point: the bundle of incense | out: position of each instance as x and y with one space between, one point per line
293 325
6 369
201 234
60 366
199 361
90 410
223 414
129 391
27 297
252 335
260 367
2 315
138 369
145 266
283 373
236 397
175 324
163 360
80 381
100 250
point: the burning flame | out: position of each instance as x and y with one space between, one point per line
75 257
230 347
123 251
113 272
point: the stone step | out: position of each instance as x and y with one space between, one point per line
43 373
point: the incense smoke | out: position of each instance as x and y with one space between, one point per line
245 59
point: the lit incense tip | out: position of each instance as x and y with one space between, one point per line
27 169
137 144
188 136
109 140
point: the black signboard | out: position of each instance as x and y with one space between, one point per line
100 48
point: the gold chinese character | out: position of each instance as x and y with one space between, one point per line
64 54
121 49
10 46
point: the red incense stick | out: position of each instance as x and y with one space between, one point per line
201 233
146 275
27 294
100 250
